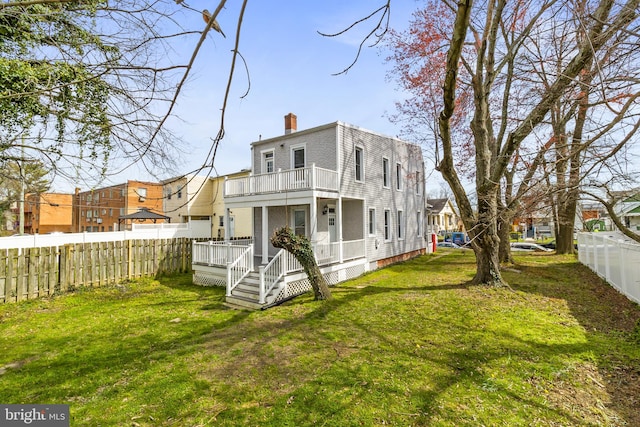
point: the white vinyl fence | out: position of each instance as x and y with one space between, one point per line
140 231
613 257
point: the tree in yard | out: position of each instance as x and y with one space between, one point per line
497 109
300 247
84 88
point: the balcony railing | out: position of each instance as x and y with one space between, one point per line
312 178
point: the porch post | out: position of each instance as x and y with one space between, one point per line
339 228
226 224
265 235
313 217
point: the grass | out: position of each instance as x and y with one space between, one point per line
409 345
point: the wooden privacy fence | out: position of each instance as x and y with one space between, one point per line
29 273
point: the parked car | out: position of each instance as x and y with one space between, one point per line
530 247
449 245
552 245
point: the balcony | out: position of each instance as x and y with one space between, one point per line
312 178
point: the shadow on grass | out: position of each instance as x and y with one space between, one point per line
606 316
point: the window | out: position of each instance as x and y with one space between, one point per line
398 176
400 217
142 193
419 223
417 182
267 162
110 211
89 214
387 224
180 193
298 157
221 221
122 211
385 172
169 193
299 222
104 211
372 222
359 164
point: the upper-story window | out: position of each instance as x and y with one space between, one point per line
387 224
418 183
386 172
298 160
359 164
267 162
398 176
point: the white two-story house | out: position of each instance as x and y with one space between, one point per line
357 195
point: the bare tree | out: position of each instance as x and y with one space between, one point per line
603 24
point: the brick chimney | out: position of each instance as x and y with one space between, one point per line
290 123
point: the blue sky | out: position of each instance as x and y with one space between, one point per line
291 69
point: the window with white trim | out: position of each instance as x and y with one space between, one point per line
300 222
359 164
400 217
298 157
387 224
372 222
267 162
385 172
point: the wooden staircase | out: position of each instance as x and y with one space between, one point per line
247 294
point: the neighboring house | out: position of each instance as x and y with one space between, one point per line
47 213
357 195
441 216
198 200
100 209
628 209
593 217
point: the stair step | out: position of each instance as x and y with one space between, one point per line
243 303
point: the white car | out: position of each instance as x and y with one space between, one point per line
449 245
529 247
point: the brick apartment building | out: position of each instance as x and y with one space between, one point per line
47 213
99 209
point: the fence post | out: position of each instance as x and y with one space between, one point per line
129 260
262 285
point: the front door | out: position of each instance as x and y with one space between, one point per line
232 227
332 227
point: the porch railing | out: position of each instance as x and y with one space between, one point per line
218 253
311 178
239 269
271 274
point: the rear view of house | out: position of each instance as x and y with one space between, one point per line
357 195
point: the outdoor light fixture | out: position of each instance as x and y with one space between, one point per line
325 210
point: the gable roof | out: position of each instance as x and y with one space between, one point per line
437 205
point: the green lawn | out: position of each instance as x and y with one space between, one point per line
409 345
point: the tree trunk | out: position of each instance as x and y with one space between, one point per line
487 242
566 222
504 233
300 247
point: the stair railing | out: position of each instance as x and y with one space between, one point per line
239 269
271 274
